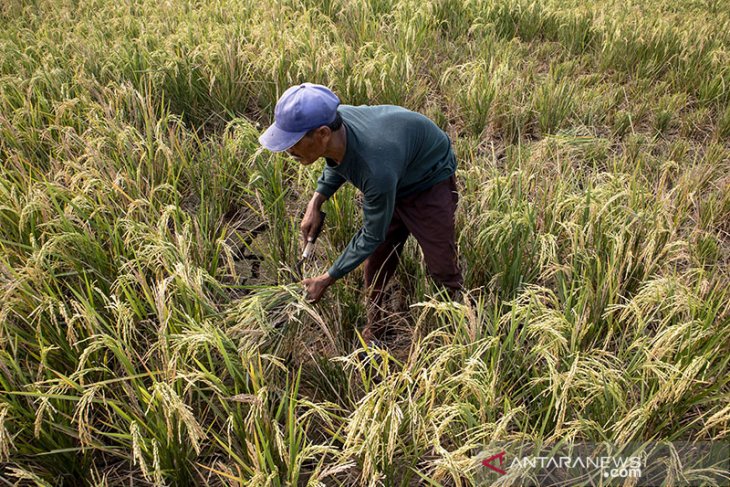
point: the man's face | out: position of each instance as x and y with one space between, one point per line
310 147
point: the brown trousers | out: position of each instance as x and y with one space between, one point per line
429 216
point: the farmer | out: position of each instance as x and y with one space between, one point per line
404 166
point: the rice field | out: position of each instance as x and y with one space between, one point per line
152 331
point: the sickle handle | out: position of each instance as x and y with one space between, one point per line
308 249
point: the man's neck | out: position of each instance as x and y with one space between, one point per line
337 146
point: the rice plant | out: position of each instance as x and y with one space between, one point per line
153 329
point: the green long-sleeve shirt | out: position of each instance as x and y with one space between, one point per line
391 153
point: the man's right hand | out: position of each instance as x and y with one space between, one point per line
312 217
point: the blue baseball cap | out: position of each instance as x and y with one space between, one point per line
300 109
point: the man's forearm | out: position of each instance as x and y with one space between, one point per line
317 200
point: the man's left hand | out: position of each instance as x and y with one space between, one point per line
316 286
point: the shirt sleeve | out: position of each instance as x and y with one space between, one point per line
329 182
378 207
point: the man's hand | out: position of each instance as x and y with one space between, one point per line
316 286
312 217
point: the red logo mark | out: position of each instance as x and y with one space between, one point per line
488 462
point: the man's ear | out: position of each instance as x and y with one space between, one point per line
324 132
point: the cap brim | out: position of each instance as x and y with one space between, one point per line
277 140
